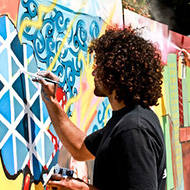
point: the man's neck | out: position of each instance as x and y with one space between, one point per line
114 103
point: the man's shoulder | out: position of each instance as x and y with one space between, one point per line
139 117
137 113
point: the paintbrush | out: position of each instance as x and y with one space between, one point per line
35 76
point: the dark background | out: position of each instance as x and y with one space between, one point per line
174 13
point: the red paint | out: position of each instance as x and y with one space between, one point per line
26 185
61 96
182 134
180 98
54 141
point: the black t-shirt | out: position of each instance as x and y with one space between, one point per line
130 152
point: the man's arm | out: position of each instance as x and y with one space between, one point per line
69 134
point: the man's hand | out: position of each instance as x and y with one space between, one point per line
187 57
61 183
48 88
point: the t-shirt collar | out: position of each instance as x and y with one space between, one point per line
122 111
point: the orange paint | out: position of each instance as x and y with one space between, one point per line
10 8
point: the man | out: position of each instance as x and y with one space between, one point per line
129 151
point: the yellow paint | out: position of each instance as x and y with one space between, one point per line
163 106
180 68
65 38
37 24
72 100
160 110
69 29
87 72
108 21
10 184
85 96
15 184
61 46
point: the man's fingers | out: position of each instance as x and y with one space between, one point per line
48 74
39 80
57 181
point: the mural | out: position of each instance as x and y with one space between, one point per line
55 35
24 117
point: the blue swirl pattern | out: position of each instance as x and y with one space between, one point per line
47 39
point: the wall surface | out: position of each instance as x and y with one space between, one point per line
55 35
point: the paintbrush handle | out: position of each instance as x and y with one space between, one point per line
37 76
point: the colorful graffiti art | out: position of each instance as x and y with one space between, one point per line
55 35
23 115
61 36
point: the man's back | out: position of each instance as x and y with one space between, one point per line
132 153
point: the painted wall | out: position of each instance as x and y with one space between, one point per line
54 35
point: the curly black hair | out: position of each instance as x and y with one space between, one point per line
129 64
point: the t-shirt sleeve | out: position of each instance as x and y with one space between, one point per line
137 163
93 141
